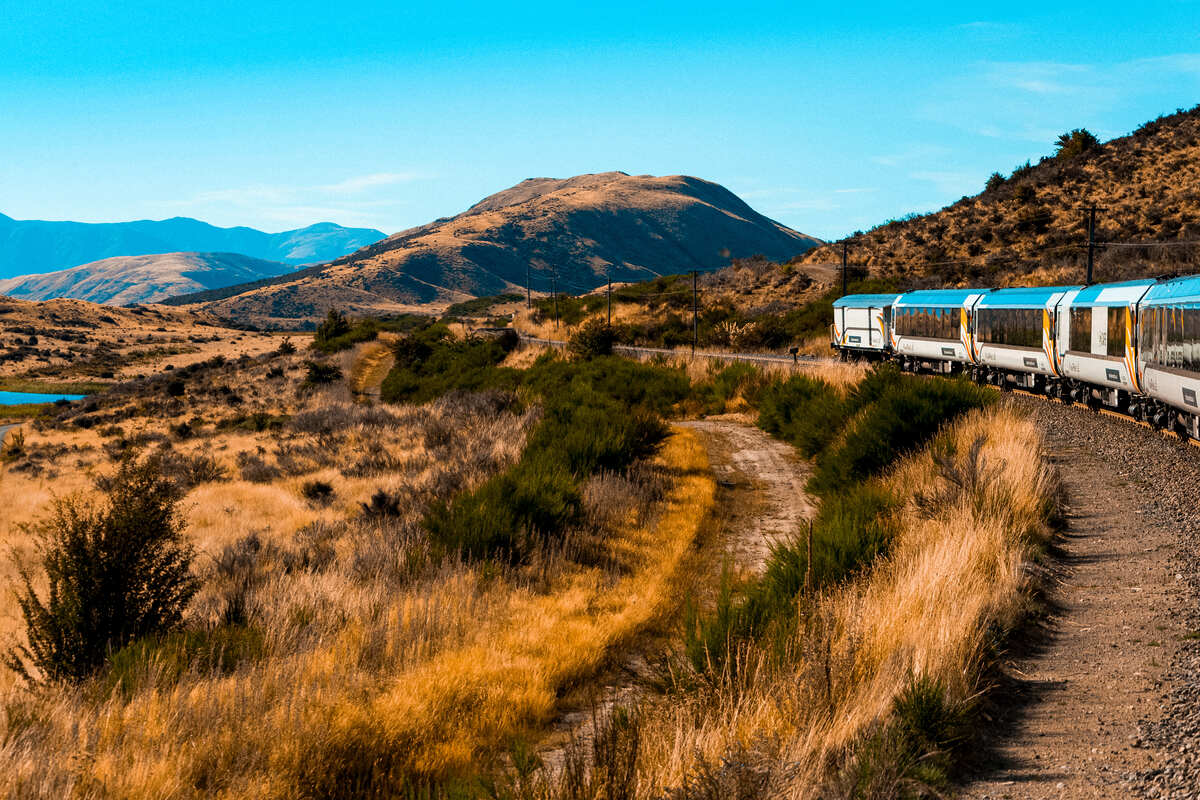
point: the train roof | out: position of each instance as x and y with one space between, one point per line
1112 294
1024 297
1176 290
938 297
865 300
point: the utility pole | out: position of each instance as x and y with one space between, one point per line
844 244
528 290
695 312
610 301
1091 243
554 291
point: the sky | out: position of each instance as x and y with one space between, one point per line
828 118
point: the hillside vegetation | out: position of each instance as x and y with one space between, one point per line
1030 225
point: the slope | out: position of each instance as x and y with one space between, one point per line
1031 225
579 231
143 279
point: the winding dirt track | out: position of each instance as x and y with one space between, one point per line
1071 698
764 480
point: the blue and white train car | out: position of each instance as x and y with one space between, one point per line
1014 336
861 323
1168 355
931 328
1097 324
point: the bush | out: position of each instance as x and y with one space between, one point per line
805 411
893 424
430 363
334 327
175 388
319 492
115 573
594 338
1075 143
994 182
286 347
319 373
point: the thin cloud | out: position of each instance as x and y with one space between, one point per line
357 200
375 180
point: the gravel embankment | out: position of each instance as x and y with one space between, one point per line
1166 473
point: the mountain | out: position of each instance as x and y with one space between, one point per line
584 230
1031 226
143 279
35 246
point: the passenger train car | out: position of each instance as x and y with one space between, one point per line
1131 346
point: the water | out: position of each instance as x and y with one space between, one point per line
21 398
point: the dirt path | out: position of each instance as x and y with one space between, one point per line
371 366
760 496
4 429
1071 702
763 483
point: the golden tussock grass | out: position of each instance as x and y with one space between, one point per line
957 570
354 674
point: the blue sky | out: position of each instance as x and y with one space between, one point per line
826 118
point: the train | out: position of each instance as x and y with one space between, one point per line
1131 347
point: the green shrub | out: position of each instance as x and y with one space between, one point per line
893 424
319 373
333 328
805 411
594 338
503 517
115 573
714 394
431 363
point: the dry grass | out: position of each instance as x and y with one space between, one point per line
360 636
955 575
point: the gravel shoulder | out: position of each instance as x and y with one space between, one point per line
1089 699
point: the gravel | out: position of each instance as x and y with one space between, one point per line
1166 472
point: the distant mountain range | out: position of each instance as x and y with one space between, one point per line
580 231
33 246
143 279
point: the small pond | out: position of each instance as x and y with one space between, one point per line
21 398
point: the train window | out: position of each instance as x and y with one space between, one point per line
1020 327
1116 331
929 322
1081 330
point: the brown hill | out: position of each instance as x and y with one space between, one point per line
143 279
1031 226
584 229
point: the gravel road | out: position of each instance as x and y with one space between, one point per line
1102 698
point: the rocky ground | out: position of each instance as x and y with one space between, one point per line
1101 697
